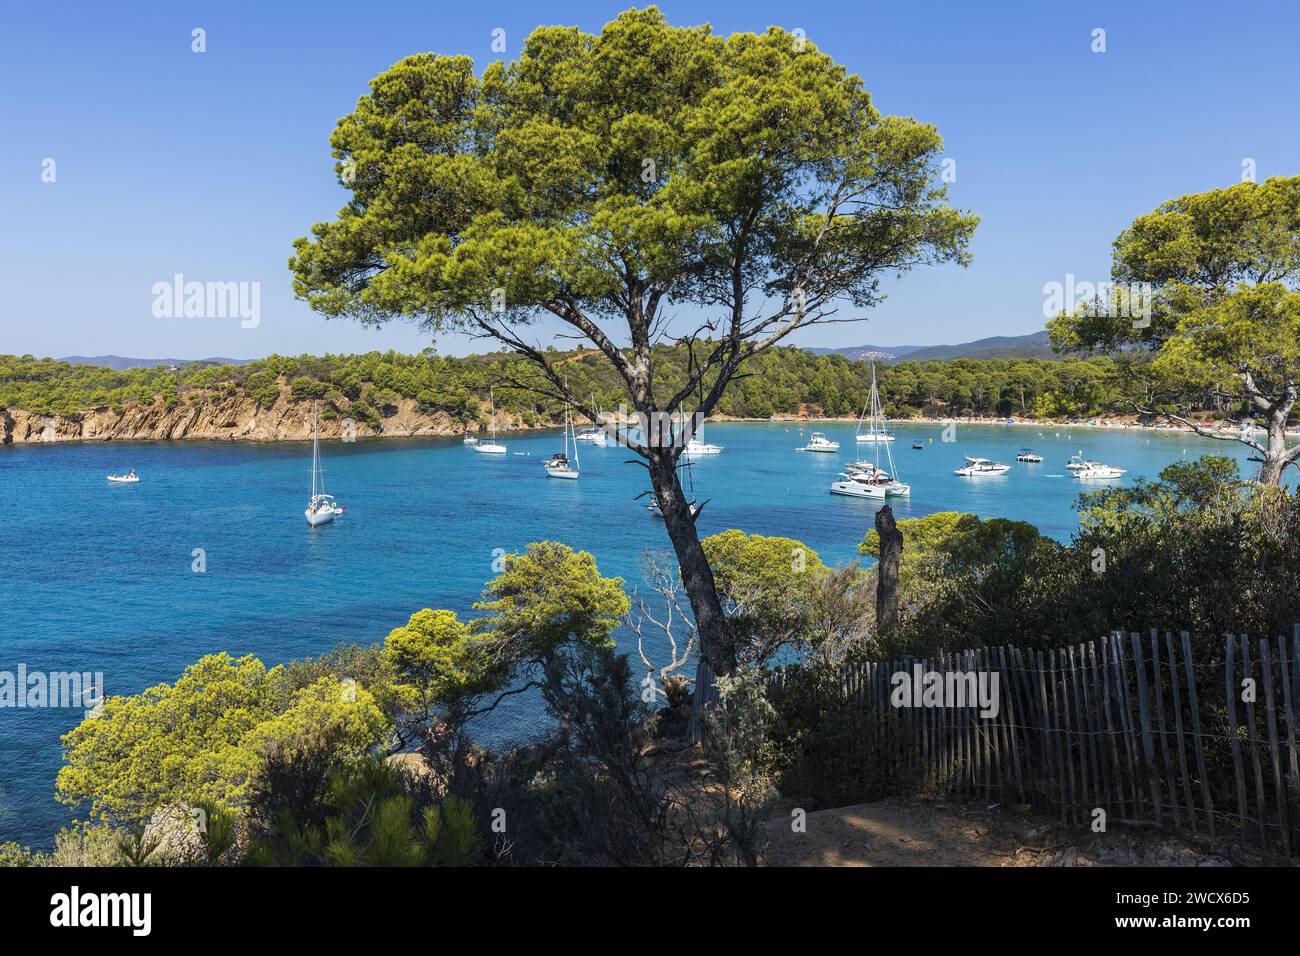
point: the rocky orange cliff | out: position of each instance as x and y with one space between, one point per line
233 418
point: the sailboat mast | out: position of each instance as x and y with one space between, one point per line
315 449
573 431
874 400
879 412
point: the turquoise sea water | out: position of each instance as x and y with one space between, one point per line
97 577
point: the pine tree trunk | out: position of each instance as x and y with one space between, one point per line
716 645
891 548
1275 458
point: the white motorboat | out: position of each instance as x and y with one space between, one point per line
859 485
1095 470
876 431
979 467
820 443
694 448
491 447
560 466
594 436
1027 454
471 440
321 508
1077 462
130 478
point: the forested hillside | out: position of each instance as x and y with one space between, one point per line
784 381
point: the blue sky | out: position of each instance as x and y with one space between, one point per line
211 164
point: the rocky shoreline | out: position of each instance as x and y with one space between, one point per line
237 418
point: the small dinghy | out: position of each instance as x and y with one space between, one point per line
130 478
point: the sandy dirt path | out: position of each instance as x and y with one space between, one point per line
894 832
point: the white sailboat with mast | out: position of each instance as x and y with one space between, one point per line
321 508
491 447
876 431
593 435
560 466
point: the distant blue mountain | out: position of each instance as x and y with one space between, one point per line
1034 345
864 351
119 362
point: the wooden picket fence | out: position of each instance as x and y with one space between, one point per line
1132 724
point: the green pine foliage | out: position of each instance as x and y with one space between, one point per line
783 381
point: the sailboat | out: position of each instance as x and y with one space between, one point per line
867 479
864 479
593 435
559 466
491 447
876 431
320 507
860 484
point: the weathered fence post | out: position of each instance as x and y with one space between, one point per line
1270 713
1196 732
1178 730
1252 740
1233 736
1144 715
1160 717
